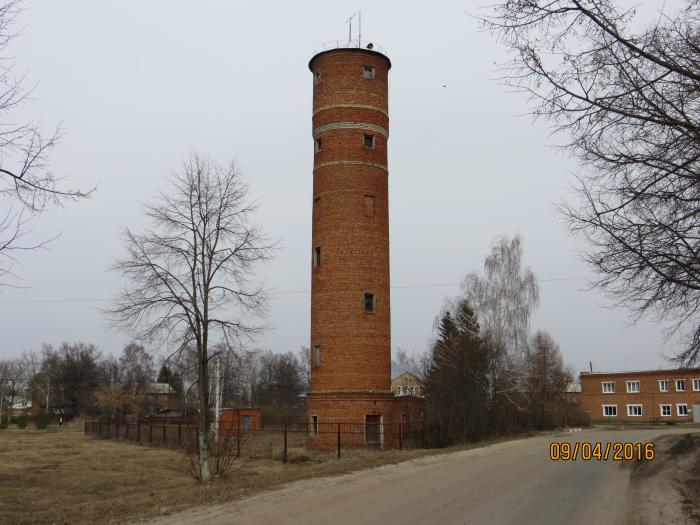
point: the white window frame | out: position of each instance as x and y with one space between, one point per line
680 381
609 406
696 384
678 409
602 386
639 386
670 410
665 382
631 406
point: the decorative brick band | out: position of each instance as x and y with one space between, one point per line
350 125
351 106
351 163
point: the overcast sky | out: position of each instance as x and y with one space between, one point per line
137 85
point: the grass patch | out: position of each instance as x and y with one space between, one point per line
62 476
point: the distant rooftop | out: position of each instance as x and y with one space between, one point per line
637 372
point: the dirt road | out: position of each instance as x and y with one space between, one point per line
513 482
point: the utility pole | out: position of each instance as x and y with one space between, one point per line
218 398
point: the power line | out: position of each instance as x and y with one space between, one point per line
278 292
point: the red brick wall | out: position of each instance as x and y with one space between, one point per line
229 419
355 346
650 397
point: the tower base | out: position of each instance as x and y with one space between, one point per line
374 420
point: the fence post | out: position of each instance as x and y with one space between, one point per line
338 440
238 433
85 430
165 434
285 443
99 433
138 431
150 432
179 434
117 430
423 428
400 437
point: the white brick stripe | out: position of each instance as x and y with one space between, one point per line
351 163
350 125
351 106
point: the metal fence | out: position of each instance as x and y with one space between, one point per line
285 440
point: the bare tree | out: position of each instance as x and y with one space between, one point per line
27 186
628 103
189 276
547 380
503 299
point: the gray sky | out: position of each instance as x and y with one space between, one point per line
138 85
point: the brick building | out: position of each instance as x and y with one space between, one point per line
643 396
350 307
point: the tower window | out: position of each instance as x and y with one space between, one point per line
369 303
317 145
368 72
314 426
317 356
369 141
369 206
317 77
317 256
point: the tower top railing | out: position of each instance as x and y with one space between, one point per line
350 44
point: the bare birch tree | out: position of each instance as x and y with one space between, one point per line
503 299
190 275
27 185
628 102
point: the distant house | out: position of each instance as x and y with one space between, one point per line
160 397
20 406
407 384
241 420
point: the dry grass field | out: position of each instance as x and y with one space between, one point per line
62 476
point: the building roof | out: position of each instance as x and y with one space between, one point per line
158 388
402 374
638 372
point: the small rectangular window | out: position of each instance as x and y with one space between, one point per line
369 206
317 145
632 387
696 385
680 385
610 410
317 256
317 356
317 77
608 387
368 72
665 410
369 141
682 409
634 410
314 426
369 303
663 385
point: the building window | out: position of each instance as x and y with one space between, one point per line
317 256
368 141
696 385
413 390
369 303
317 145
632 387
610 410
663 385
682 409
314 426
665 410
317 356
317 77
317 207
634 410
368 72
680 385
369 206
608 387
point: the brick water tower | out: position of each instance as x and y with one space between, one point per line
350 302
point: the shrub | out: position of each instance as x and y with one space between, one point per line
21 421
3 422
41 420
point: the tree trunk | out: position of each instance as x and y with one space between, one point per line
203 439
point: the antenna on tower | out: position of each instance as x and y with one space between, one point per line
349 21
359 36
